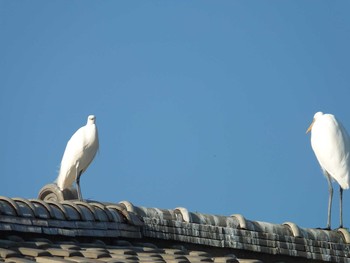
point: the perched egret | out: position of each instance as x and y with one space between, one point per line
79 153
331 144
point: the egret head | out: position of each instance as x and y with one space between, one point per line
91 119
317 114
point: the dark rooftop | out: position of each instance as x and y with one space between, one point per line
73 231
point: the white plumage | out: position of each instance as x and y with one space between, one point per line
331 144
79 153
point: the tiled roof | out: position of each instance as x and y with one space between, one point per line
50 231
17 249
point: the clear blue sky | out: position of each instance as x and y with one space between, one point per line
199 104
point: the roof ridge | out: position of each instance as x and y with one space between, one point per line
113 220
125 212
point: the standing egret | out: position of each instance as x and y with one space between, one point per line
79 153
331 144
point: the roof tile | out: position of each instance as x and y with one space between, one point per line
57 210
63 252
33 252
19 260
122 251
249 261
124 257
52 260
226 259
94 253
83 260
167 257
25 208
8 206
174 251
199 258
43 209
7 253
177 260
4 243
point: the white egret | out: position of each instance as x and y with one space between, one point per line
331 144
79 153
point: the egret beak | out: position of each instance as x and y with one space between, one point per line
310 127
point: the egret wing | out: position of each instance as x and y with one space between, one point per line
73 152
330 143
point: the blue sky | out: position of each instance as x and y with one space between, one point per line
199 104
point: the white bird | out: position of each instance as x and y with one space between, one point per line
331 144
79 153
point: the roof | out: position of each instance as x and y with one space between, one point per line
75 231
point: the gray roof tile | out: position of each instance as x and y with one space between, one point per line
8 206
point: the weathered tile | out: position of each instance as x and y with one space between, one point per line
199 259
250 261
100 249
94 254
33 244
121 251
226 259
5 227
209 232
83 260
33 252
122 243
94 244
15 238
174 251
115 260
41 242
167 257
63 252
199 253
50 231
147 254
112 260
125 257
19 260
177 261
7 253
4 243
70 246
52 260
66 232
145 245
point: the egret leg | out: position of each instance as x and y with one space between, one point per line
80 197
341 206
330 189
